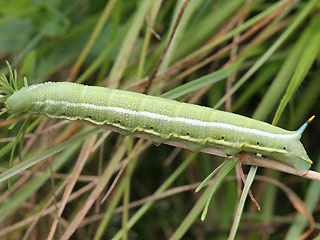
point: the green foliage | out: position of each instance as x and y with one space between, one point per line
272 65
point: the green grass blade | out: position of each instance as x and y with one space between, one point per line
280 82
26 192
179 170
201 82
312 198
153 15
109 212
284 36
303 67
198 207
3 111
22 134
128 43
36 159
243 198
209 23
204 182
189 11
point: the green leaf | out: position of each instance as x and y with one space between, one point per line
14 35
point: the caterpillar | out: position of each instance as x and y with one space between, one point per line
162 120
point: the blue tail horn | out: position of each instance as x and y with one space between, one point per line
304 126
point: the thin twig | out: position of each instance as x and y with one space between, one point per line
244 182
160 60
248 158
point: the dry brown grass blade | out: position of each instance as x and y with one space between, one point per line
95 33
234 50
296 202
20 183
9 122
46 211
222 51
124 165
30 135
102 182
160 60
75 127
82 159
255 202
189 61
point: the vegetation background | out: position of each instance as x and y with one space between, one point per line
252 57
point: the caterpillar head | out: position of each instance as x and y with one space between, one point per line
297 155
299 158
292 152
305 162
19 101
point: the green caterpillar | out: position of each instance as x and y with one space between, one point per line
162 120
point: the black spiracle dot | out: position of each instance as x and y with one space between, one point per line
284 148
151 128
188 133
222 137
258 143
119 121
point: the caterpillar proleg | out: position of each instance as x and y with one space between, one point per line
162 120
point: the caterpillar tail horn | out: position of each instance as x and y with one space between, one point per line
304 126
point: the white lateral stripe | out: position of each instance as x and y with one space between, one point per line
157 116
